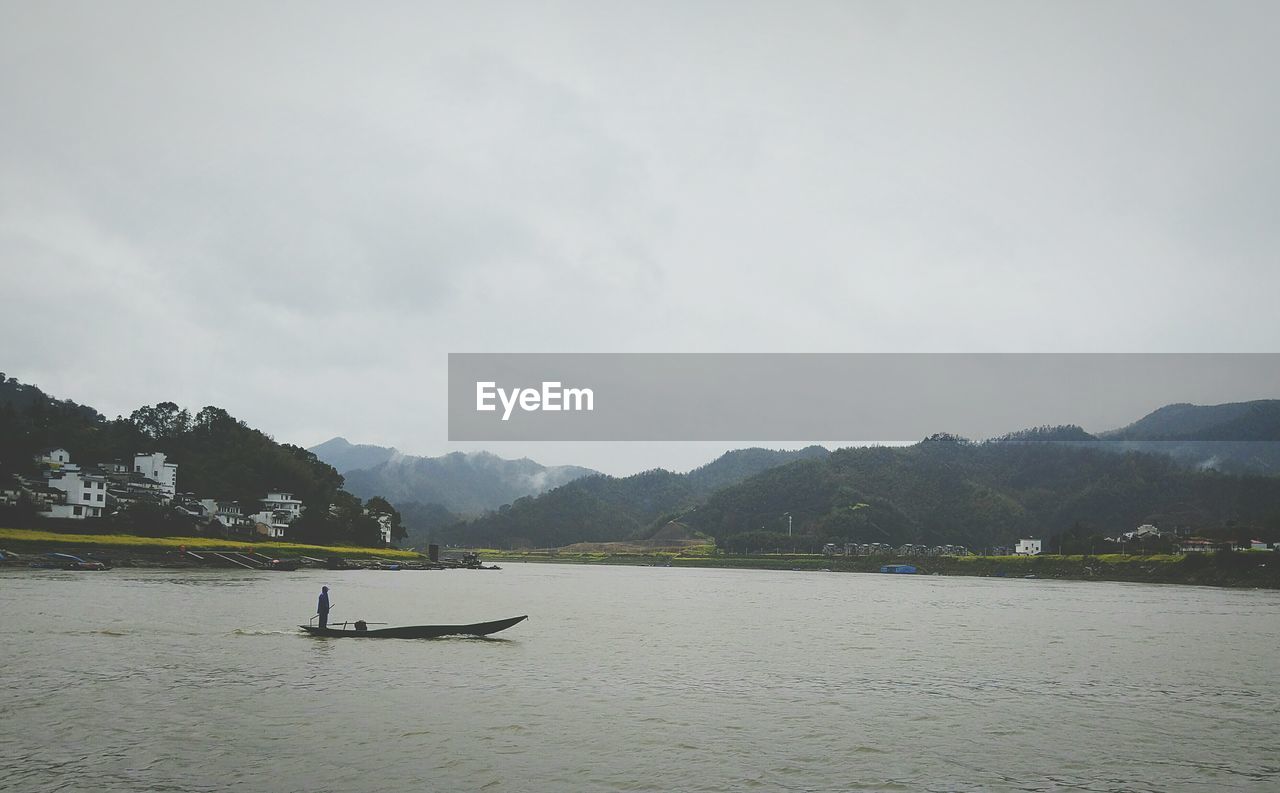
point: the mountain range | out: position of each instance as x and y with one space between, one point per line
463 483
604 508
1196 468
1193 467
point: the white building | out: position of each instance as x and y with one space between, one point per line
1141 533
57 456
1195 545
154 467
283 502
384 523
86 494
1027 547
279 509
228 513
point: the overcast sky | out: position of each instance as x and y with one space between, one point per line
296 210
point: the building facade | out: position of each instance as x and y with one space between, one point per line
85 494
153 466
1028 547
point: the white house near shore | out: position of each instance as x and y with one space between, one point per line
1027 547
384 525
279 509
154 467
86 495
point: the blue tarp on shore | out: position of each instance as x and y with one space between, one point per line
898 568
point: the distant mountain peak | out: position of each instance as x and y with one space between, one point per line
464 482
347 456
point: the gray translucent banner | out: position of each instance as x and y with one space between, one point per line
828 397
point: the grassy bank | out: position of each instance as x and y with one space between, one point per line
1247 569
32 540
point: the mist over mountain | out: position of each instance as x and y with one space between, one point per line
462 483
1238 437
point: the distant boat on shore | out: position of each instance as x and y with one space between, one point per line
65 561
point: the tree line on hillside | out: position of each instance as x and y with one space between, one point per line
604 508
944 490
218 456
949 491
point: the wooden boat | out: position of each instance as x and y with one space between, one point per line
418 631
65 561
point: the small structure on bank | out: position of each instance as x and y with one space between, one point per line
1028 547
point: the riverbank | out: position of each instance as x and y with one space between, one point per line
1252 569
128 550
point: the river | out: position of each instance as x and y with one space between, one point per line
635 678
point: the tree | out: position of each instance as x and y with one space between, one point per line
379 506
165 420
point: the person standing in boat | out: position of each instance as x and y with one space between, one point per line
322 607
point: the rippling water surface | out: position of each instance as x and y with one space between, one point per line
631 678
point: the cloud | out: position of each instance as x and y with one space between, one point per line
297 210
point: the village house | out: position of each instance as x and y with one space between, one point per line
884 549
384 524
85 494
39 493
1143 532
53 456
279 509
229 514
153 466
1028 548
69 490
1197 545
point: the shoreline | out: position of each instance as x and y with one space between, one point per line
1246 569
128 550
1241 570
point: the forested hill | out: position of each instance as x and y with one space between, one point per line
605 508
218 456
942 491
464 483
949 491
1235 421
18 398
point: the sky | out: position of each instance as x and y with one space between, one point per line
295 211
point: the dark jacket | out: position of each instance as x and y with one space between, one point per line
323 606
